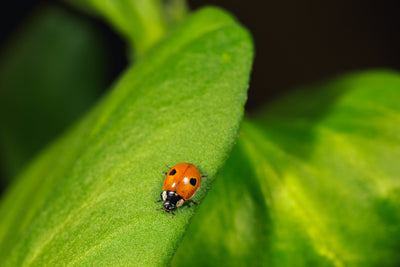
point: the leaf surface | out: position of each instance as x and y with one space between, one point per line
141 22
51 71
89 198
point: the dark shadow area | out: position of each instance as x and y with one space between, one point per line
298 43
54 63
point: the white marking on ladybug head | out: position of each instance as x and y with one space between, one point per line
164 195
180 202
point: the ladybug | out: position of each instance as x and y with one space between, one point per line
181 183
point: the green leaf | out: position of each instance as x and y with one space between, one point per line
142 22
51 71
313 181
89 198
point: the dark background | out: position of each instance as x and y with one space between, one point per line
297 42
301 42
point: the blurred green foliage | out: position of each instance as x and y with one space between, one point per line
141 22
51 71
312 181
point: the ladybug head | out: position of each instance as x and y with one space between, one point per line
169 206
171 200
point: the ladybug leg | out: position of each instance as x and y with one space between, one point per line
191 200
158 201
172 213
168 167
204 175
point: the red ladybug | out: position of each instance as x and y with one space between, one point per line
180 184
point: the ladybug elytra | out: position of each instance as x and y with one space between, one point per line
181 183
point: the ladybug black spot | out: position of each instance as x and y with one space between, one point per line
193 181
172 172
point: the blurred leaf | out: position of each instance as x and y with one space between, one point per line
51 71
89 198
313 181
141 22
